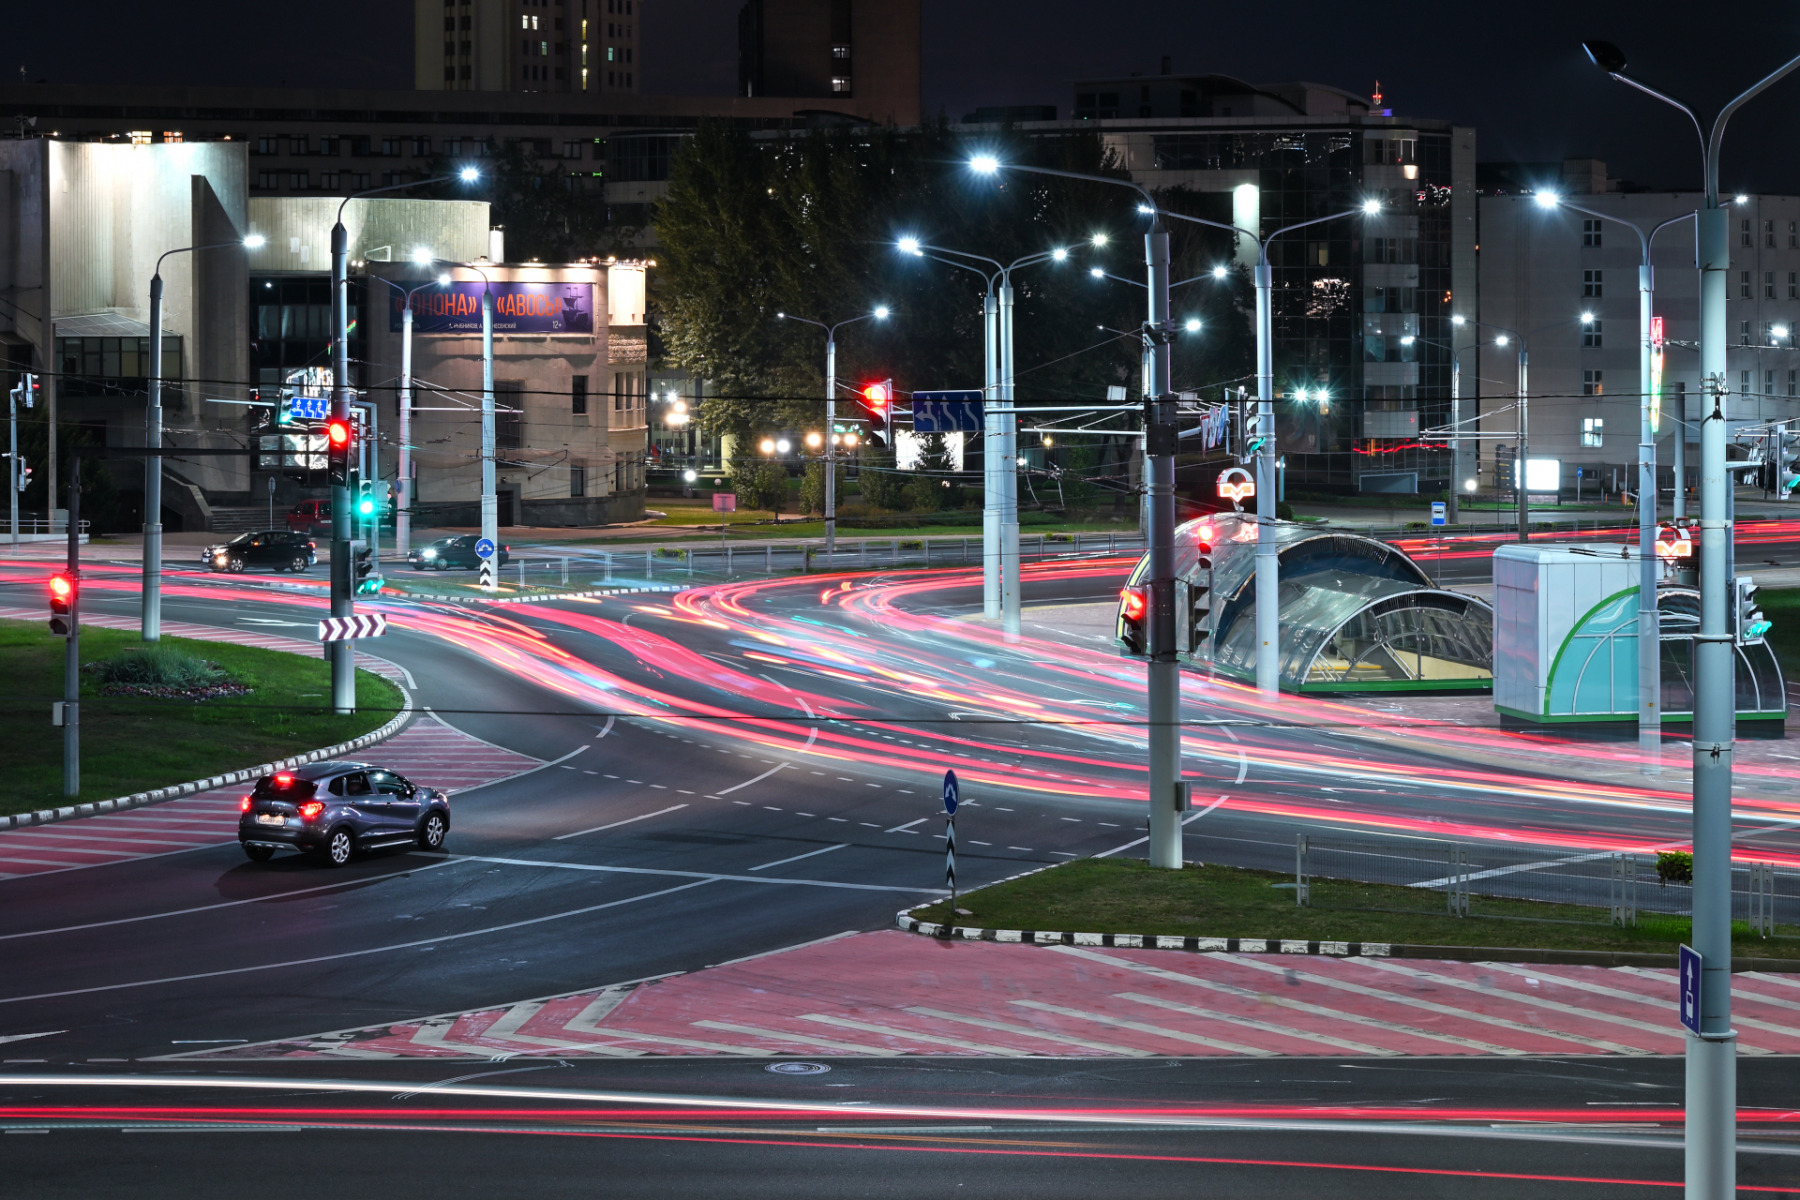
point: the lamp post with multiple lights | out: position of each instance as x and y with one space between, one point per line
151 600
880 313
1711 1127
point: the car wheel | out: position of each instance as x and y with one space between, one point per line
259 853
235 564
339 847
299 564
432 830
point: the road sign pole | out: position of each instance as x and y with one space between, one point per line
151 630
490 524
72 650
343 654
991 462
950 802
1162 671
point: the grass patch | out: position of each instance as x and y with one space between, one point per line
1122 896
130 743
1782 607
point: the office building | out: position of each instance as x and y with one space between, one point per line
526 46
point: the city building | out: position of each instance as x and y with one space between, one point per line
866 51
526 45
1544 270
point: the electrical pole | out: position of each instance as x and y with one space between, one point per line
490 523
1521 481
1268 562
72 648
403 466
1009 466
991 461
343 571
151 601
1164 672
1649 627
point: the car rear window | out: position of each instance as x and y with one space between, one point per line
276 787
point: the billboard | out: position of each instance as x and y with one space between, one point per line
518 308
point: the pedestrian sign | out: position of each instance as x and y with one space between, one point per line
1439 513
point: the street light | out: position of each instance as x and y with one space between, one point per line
880 313
1711 1062
150 619
403 465
1468 485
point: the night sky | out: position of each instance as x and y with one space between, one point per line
1515 71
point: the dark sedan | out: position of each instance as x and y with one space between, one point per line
451 552
339 809
268 549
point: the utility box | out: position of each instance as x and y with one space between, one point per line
1565 632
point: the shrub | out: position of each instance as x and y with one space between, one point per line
926 494
158 666
1675 866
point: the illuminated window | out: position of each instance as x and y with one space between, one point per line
172 136
1590 284
524 22
143 137
1592 383
840 85
1593 431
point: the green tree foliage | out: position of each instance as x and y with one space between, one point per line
753 227
105 510
759 484
881 489
812 486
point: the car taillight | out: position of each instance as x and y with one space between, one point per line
312 808
1133 601
244 804
283 779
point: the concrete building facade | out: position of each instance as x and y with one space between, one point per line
526 45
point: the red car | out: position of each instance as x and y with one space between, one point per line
310 516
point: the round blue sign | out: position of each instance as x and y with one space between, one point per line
950 792
484 548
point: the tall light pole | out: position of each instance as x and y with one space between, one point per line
1649 628
1711 1054
880 313
343 653
1455 439
403 458
151 599
1000 428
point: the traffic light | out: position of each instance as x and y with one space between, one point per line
337 450
363 568
878 400
1193 604
26 390
1748 623
63 592
365 500
1787 459
1134 608
24 473
1254 436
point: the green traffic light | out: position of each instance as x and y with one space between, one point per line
366 506
369 586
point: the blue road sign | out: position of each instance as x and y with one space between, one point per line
309 408
1438 514
947 412
950 793
1690 989
484 548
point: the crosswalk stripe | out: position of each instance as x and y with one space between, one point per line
1177 1035
1665 1002
804 1039
432 1033
939 1039
1285 1031
1028 1031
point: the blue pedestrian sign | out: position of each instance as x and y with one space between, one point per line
947 412
1690 989
484 548
1439 514
950 793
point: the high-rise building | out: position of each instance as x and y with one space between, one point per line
836 50
526 45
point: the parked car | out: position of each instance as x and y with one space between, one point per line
451 552
268 550
310 516
338 810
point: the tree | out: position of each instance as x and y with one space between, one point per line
880 487
812 486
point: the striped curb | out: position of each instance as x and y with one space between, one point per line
1146 941
628 591
47 816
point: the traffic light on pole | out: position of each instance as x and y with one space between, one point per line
1193 603
337 450
1787 455
24 473
878 400
1134 612
365 500
63 590
1749 624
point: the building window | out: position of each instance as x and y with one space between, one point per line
1768 333
1591 384
453 147
1794 383
618 393
1769 234
1793 285
577 482
1590 335
509 415
578 395
297 145
390 147
1794 235
359 181
1744 292
1743 383
264 145
1768 383
1768 285
1593 431
1591 284
572 149
449 72
1743 333
265 181
1744 238
328 180
297 180
421 147
1590 231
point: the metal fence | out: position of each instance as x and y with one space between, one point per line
1508 882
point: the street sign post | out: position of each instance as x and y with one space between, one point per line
1438 519
950 802
947 412
1690 989
1438 513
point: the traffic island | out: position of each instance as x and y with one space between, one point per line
1127 903
137 742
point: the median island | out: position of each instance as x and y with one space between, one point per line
154 717
1112 895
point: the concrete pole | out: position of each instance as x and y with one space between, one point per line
403 463
1678 506
1648 625
991 461
343 654
72 648
831 444
1521 485
490 515
1009 470
1268 563
1162 669
1454 507
151 619
12 460
1711 1129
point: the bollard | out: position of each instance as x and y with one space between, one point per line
649 564
521 574
862 553
565 567
607 554
769 559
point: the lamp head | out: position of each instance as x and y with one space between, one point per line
881 312
254 242
1587 318
909 245
1779 331
984 164
422 255
1547 199
1219 271
1459 320
1099 239
1408 340
444 279
1059 254
783 445
1097 272
1146 209
1501 340
1742 198
1193 325
1371 207
1605 55
469 174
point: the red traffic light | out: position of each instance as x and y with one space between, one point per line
1132 601
877 395
338 434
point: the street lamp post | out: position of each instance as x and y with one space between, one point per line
1711 1165
1455 439
403 463
879 314
151 600
343 653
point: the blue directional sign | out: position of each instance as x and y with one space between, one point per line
1690 988
484 548
950 793
309 408
947 412
1439 516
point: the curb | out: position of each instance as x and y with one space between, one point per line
47 816
623 591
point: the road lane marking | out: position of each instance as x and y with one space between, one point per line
906 828
936 1039
702 876
1027 1031
24 1037
804 1039
628 820
796 858
1177 1035
748 782
1140 841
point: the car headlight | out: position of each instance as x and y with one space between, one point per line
428 554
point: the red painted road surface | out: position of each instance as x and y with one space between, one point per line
891 993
